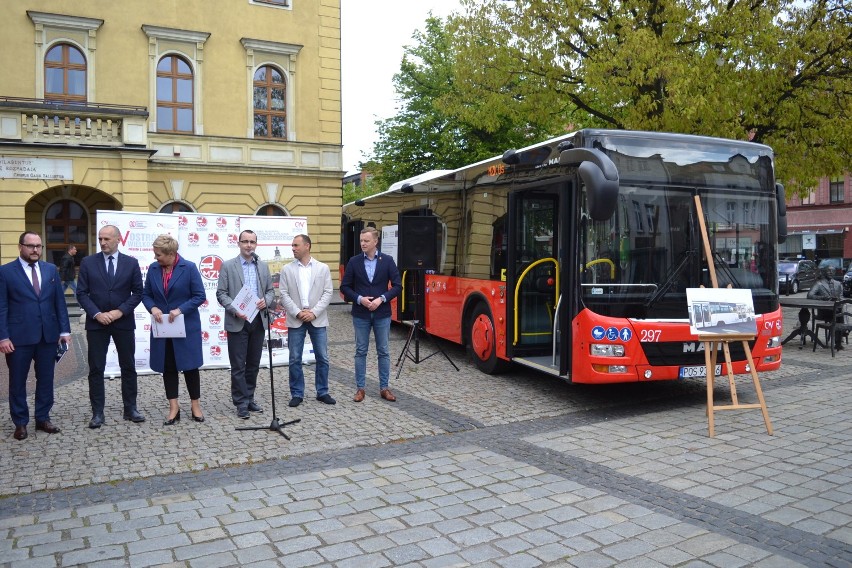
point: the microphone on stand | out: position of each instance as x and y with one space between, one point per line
254 257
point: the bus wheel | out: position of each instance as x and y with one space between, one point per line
482 342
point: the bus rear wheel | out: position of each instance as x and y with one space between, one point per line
482 341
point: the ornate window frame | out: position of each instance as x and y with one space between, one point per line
282 56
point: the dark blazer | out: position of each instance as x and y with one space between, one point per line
28 319
355 283
97 294
186 291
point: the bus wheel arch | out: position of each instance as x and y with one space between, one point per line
482 339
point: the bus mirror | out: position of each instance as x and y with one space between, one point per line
781 198
600 176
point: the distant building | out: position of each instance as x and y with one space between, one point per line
159 106
818 226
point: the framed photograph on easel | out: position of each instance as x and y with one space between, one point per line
721 311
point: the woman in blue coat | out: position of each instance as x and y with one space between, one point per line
173 286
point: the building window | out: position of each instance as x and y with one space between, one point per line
174 95
270 106
175 207
65 74
271 211
65 223
809 199
835 190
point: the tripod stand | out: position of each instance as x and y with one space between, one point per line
416 330
276 425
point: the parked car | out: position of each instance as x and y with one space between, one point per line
840 265
847 283
796 275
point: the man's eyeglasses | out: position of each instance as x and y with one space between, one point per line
31 247
249 242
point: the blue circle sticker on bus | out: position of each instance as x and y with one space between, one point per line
598 332
625 334
612 333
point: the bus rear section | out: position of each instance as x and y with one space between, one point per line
573 257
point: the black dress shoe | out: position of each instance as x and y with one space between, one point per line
326 398
47 426
254 407
197 418
243 413
171 421
133 415
97 421
295 401
20 432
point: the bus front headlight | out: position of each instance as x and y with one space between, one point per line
607 350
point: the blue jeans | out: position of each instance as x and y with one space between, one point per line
69 284
381 331
296 344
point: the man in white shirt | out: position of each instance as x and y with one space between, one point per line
306 290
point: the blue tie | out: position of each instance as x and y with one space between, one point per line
111 269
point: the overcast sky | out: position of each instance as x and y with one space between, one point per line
373 34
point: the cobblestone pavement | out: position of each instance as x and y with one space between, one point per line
465 469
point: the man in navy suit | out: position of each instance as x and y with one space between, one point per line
109 287
365 284
33 319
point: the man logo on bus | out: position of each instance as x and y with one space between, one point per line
210 266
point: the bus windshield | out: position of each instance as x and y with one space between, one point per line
640 262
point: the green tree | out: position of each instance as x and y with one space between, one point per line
774 71
423 136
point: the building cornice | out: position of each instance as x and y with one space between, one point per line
174 34
63 21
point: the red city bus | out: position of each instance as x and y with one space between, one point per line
573 256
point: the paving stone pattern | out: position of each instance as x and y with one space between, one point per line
464 470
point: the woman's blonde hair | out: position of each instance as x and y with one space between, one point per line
166 243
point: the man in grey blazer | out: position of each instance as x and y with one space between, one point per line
245 339
306 289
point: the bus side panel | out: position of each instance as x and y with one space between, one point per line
638 335
446 298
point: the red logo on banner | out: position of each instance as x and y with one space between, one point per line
210 266
205 337
223 335
221 222
205 304
201 222
192 238
215 319
183 221
215 350
232 239
213 238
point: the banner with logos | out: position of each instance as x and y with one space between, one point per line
207 240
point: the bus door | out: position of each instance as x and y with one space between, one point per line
538 329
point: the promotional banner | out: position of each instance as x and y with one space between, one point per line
207 240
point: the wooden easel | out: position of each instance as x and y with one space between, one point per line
711 349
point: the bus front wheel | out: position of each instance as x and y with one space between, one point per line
482 342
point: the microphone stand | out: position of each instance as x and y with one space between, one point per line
276 425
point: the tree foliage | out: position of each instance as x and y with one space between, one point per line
774 71
423 136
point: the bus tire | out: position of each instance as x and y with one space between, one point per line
482 341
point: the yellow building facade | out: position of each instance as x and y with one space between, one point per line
226 107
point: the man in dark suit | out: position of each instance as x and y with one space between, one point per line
365 284
109 288
245 339
33 318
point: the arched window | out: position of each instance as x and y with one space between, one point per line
270 107
65 74
65 223
175 207
174 95
271 211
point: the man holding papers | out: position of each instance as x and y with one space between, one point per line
245 290
109 289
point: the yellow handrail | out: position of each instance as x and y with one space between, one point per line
606 260
518 288
402 298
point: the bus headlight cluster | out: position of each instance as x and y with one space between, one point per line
774 341
607 350
610 368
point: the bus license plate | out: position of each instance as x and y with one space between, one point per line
697 371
